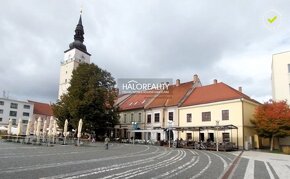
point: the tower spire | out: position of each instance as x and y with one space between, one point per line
79 36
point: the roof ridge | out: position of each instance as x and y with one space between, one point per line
237 91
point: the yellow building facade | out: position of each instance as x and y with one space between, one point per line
240 112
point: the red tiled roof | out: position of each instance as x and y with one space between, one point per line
42 108
121 98
213 93
175 95
136 101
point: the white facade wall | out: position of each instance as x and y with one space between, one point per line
21 112
281 76
163 122
72 59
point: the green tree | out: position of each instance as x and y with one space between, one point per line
272 119
90 97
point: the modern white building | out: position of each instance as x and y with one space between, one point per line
75 55
281 82
281 76
15 110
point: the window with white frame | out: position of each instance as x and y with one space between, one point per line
14 105
132 117
189 117
26 114
13 121
1 102
26 106
206 116
170 116
13 113
149 118
25 121
157 117
225 114
1 111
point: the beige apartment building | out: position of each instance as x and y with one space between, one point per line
218 106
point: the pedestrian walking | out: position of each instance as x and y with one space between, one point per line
107 142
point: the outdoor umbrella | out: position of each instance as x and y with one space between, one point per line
19 127
54 133
44 130
54 128
80 130
50 127
9 127
3 128
65 128
35 127
38 127
28 128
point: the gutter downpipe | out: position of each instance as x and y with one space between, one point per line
243 127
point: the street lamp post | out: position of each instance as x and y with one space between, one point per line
169 128
134 128
217 132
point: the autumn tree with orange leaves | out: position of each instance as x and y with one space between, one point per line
272 119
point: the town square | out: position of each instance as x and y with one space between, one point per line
145 89
134 161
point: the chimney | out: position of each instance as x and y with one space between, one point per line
240 89
196 81
177 82
215 81
195 78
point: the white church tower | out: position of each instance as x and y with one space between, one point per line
75 55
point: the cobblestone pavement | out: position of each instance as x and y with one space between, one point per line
127 161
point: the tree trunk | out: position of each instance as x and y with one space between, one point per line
272 143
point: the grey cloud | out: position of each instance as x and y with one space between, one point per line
134 39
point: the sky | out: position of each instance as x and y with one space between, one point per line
231 41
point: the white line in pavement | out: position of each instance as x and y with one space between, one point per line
95 171
13 148
180 169
249 174
269 170
145 169
223 160
281 168
205 168
35 167
227 157
44 154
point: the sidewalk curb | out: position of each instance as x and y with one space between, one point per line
230 169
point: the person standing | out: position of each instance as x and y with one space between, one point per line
107 142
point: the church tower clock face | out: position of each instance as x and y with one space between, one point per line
76 54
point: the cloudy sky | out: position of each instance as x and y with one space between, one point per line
231 41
